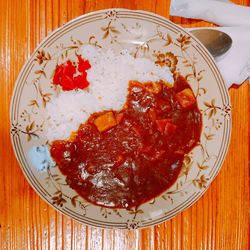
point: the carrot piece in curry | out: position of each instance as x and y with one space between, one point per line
185 98
119 117
105 121
166 126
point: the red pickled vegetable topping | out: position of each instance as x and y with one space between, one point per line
83 65
70 76
67 82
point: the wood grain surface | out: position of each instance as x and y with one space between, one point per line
219 220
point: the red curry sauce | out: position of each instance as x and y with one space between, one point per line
121 159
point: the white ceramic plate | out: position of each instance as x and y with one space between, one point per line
146 34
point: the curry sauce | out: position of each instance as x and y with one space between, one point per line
121 159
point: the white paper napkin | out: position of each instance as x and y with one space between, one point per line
235 65
221 12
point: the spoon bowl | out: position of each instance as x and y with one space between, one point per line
216 42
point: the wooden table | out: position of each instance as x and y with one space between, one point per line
219 220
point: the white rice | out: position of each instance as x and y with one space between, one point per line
108 77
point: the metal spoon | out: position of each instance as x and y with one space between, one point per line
216 42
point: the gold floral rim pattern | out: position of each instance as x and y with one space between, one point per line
144 34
